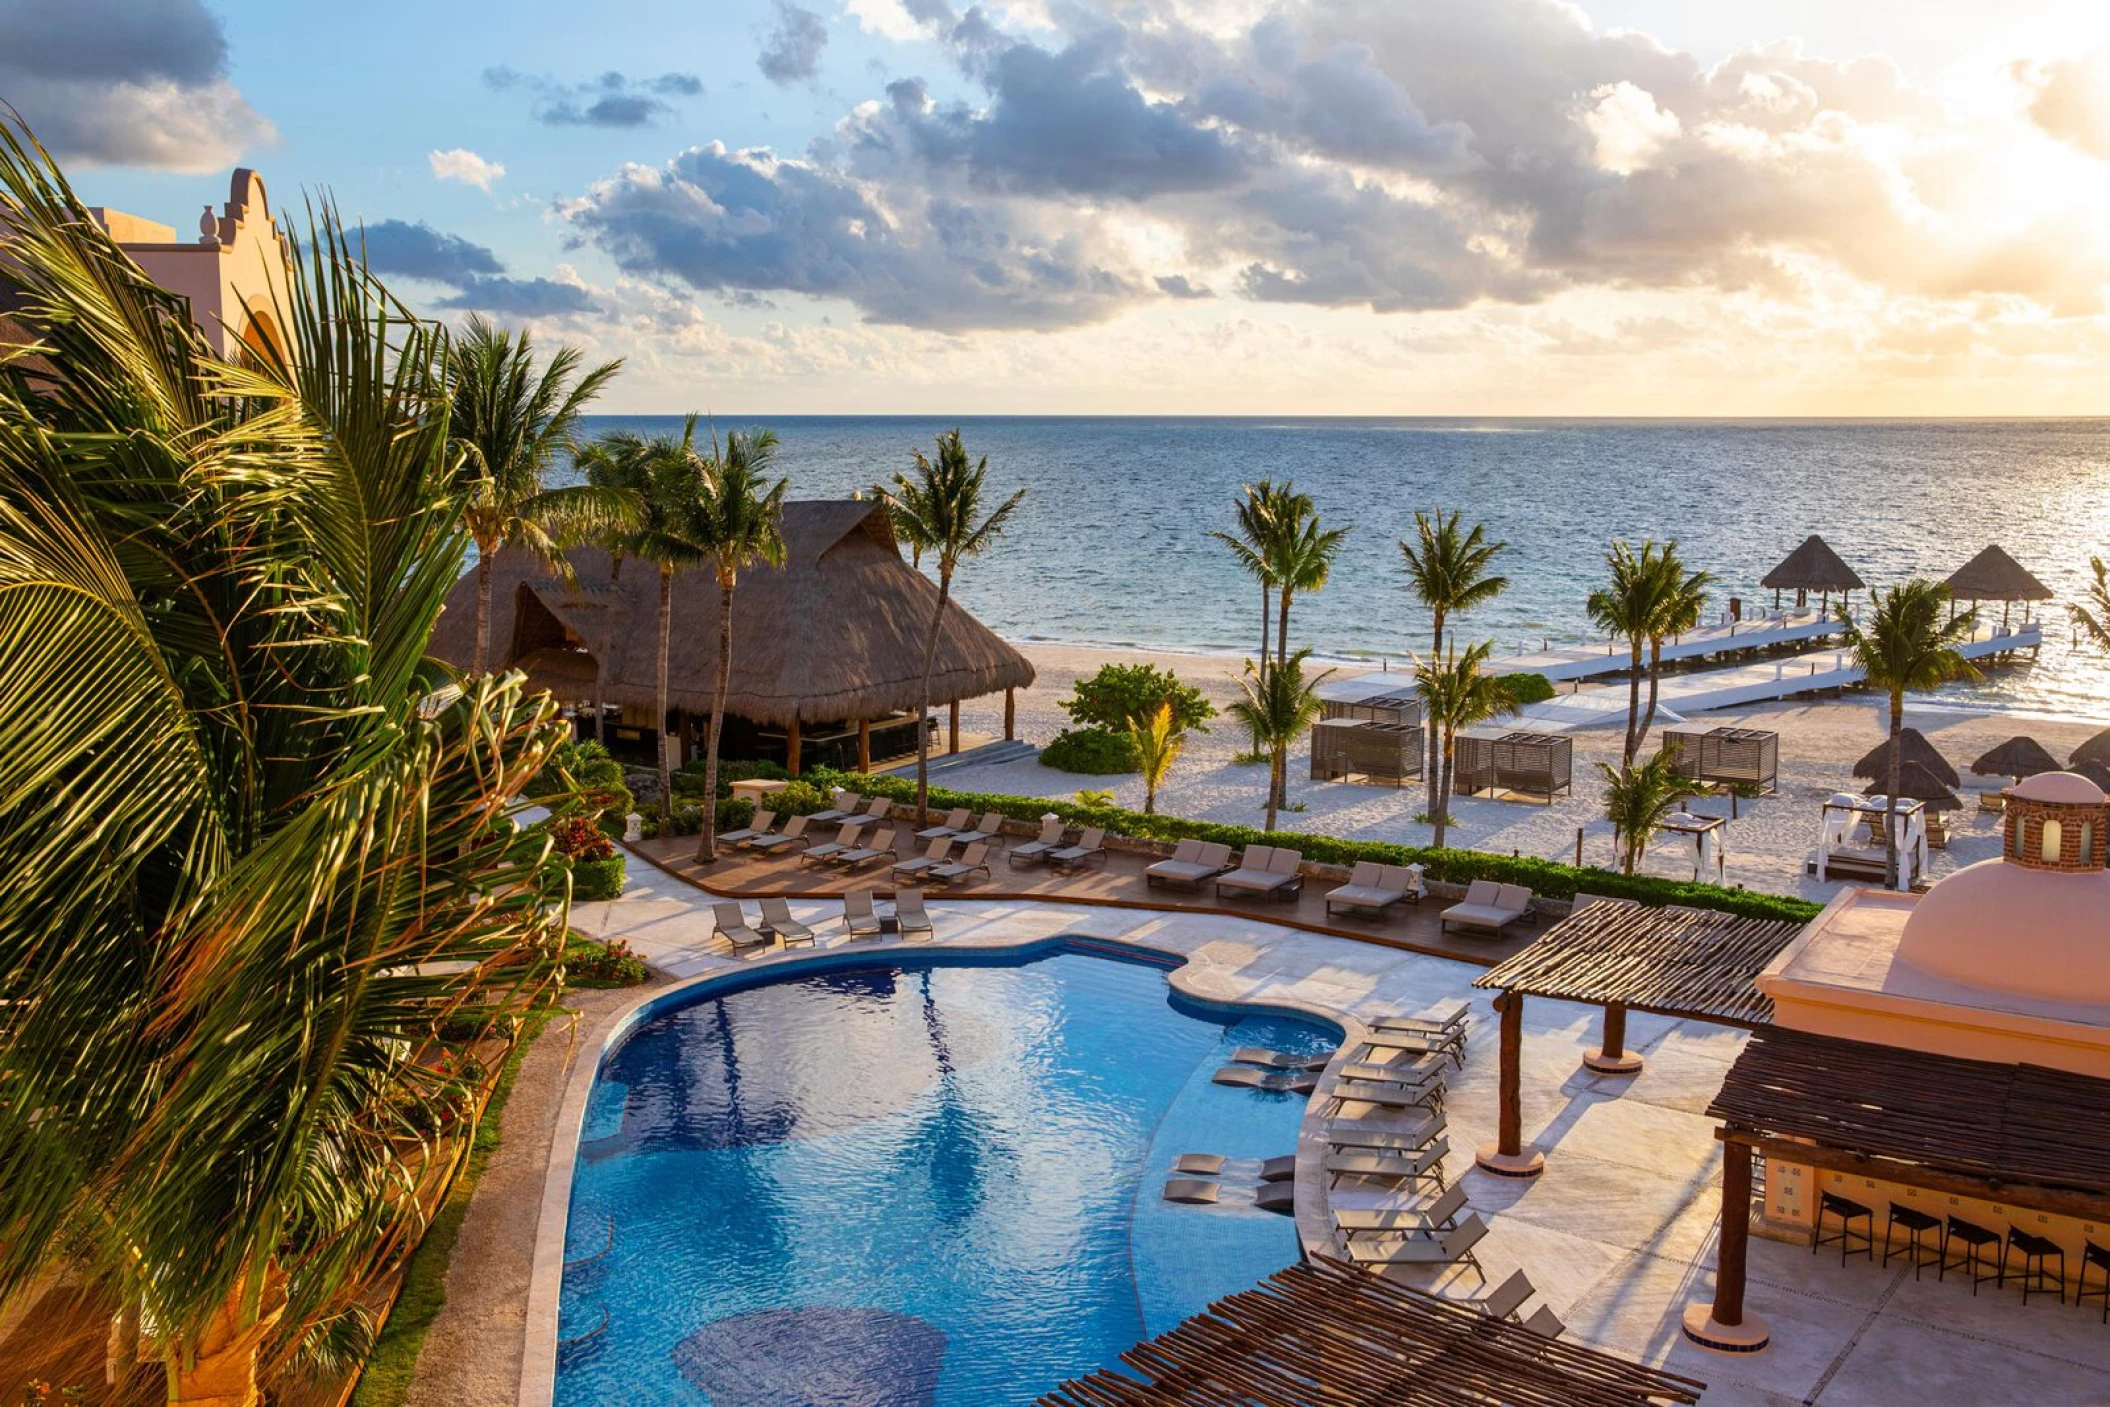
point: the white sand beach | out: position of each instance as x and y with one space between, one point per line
1820 740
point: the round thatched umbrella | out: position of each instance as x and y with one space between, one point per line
2018 757
1811 567
2094 770
1875 766
2096 749
1994 576
1916 783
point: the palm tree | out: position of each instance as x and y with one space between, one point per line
1455 695
1680 597
1158 741
508 419
939 511
1253 542
1637 799
1447 570
737 522
1301 555
1907 645
1279 704
1630 608
2092 615
257 844
614 463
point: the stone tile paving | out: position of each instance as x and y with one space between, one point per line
1619 1234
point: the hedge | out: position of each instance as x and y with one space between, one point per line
1549 879
596 879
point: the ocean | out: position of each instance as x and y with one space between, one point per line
1111 545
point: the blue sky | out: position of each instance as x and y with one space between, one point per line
1623 206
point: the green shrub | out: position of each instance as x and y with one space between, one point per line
591 964
596 879
1095 752
582 779
734 812
1118 693
688 778
799 798
1547 878
1528 689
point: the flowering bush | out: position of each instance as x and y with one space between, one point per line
578 838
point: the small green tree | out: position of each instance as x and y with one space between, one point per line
1279 703
1121 694
1449 570
1455 695
1157 742
1636 800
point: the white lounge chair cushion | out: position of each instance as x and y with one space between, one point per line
1480 915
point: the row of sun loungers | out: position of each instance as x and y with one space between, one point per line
861 919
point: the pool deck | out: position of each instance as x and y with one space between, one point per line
1618 1235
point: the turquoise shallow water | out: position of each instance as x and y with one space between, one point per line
1111 545
931 1183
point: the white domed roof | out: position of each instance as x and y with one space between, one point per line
2059 788
2008 928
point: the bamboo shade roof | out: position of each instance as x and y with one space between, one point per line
1324 1334
1676 962
2003 1123
1812 567
1994 576
2018 757
1874 765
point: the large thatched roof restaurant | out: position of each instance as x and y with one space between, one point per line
827 649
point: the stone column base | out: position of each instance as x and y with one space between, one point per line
1489 1157
1751 1336
1596 1063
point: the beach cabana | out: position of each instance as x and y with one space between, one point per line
1874 765
827 649
2018 757
1813 566
2096 749
1731 756
1540 765
1994 576
1850 839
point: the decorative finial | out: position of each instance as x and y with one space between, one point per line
208 227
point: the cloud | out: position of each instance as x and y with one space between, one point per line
461 164
1627 127
1180 286
792 51
2072 100
112 82
611 100
474 273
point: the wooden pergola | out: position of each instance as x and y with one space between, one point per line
1324 1333
2022 1135
1677 962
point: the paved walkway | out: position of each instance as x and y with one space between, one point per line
1619 1233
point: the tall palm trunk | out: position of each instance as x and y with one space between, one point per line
1276 764
1897 765
930 659
1633 702
1648 715
666 770
1282 629
1440 808
1435 763
483 607
600 704
218 1368
707 845
1267 620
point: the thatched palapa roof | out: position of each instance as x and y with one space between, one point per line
1916 783
1875 765
1994 576
2018 757
2096 749
836 633
2093 770
1812 567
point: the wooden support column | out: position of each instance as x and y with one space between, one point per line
791 748
1010 715
952 727
1611 1057
864 744
1507 1156
1724 1326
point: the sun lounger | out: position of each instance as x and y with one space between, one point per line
1083 852
990 828
1454 1247
777 919
1450 1045
759 826
1418 1071
1276 1083
880 848
951 826
1424 1165
794 833
1358 1134
1200 1164
1264 869
1214 1164
1276 1059
909 915
1387 1094
1040 847
974 859
1276 1197
1434 1216
858 915
1372 888
1451 1018
1282 1168
731 924
1488 907
875 811
934 855
1545 1323
827 852
1193 863
1195 1190
1505 1299
846 804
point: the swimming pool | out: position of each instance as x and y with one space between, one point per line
910 1179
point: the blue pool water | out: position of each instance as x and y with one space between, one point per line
932 1181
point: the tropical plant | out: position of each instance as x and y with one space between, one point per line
1907 645
1121 694
1448 571
1456 695
1157 742
939 511
2092 613
1680 597
508 419
614 463
1301 555
1650 593
1637 799
1253 542
1095 752
258 845
1278 702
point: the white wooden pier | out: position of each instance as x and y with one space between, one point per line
1567 663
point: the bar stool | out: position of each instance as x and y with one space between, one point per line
2094 1255
1917 1223
1846 1209
2036 1251
1976 1240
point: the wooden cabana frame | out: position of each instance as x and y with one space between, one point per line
2023 1135
1355 750
1682 963
1325 1332
1540 765
1730 756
